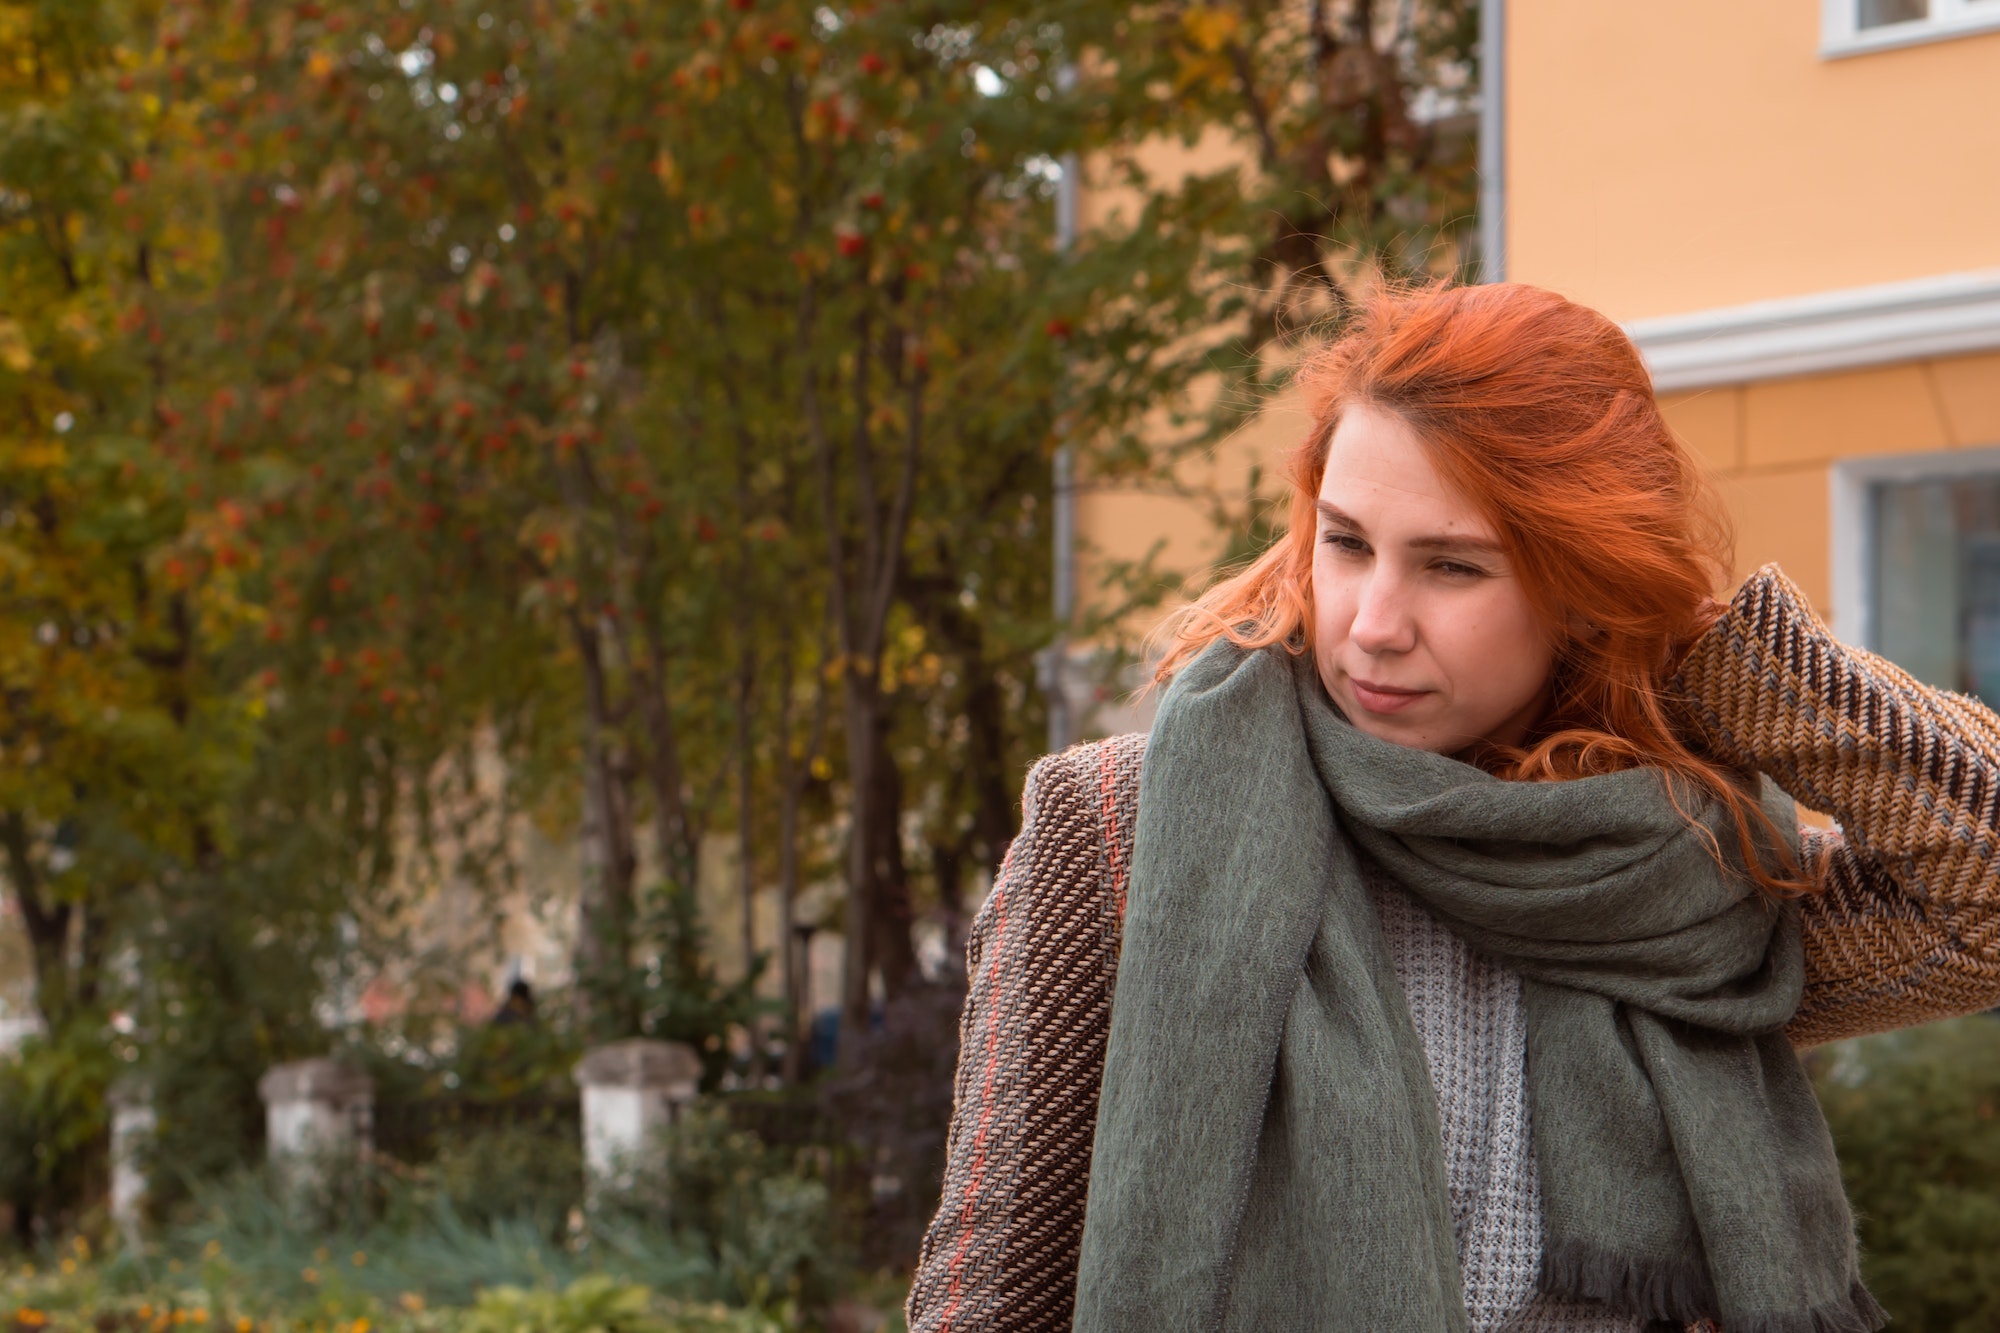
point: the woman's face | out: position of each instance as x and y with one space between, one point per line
1421 630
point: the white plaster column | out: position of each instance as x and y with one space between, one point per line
318 1119
632 1090
133 1121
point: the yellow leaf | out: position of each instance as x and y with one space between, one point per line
1210 27
319 65
668 171
15 354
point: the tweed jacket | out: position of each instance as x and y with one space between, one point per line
1905 929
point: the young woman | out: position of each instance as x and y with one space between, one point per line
1462 932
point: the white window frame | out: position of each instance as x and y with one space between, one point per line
1839 34
1852 530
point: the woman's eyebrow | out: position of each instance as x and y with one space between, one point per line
1334 514
1446 542
1455 545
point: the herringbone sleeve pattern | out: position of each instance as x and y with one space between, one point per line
1905 929
1042 957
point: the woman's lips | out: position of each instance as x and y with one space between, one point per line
1383 698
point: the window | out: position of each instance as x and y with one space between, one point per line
1851 27
1937 581
1920 542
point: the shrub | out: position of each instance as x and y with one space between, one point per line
119 1299
600 1304
527 1173
760 1218
53 1129
1916 1116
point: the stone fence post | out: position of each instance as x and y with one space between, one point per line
319 1119
632 1090
133 1121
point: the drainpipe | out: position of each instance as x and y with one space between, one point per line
1492 141
1055 659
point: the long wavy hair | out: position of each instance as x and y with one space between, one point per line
1542 413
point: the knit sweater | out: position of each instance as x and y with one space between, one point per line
1905 929
1467 1012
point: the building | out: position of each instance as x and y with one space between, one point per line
1793 210
1794 207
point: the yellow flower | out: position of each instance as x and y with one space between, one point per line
212 1250
145 1312
29 1317
82 1247
180 1317
243 1324
359 1326
360 1260
200 1316
309 1274
68 1266
411 1301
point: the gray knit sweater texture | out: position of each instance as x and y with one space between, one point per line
1467 1011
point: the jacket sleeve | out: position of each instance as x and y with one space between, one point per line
1906 927
1001 1253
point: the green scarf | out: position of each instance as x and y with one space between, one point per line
1268 1156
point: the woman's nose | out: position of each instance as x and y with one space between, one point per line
1382 619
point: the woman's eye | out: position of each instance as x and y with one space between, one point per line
1345 541
1458 571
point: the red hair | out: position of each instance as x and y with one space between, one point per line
1542 413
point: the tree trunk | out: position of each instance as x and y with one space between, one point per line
797 967
862 706
605 903
47 924
893 952
673 825
746 693
865 574
795 771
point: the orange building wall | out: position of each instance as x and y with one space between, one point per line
1769 446
1665 158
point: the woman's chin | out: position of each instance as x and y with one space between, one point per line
1402 729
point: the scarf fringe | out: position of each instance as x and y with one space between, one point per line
1683 1293
1649 1288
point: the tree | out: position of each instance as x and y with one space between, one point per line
672 328
161 913
637 396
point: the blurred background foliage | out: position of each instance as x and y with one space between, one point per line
1916 1118
419 418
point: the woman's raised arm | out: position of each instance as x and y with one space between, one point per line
1001 1253
1907 929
